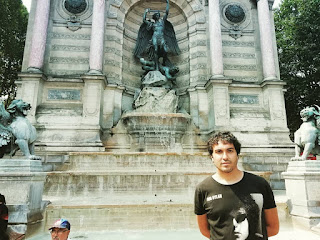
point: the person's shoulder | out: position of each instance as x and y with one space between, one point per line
205 182
254 177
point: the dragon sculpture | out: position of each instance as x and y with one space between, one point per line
307 137
16 132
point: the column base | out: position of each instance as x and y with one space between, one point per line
218 76
94 72
22 184
302 181
272 78
34 70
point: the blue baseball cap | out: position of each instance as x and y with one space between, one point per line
61 223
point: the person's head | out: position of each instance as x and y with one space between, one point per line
2 199
60 229
224 149
225 137
156 16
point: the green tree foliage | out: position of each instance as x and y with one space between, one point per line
297 25
13 27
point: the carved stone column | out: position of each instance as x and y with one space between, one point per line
22 183
97 34
268 60
199 107
273 94
92 99
30 88
302 180
215 39
39 36
219 103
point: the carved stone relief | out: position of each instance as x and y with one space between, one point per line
64 94
244 99
73 12
235 17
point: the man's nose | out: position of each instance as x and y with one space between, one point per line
224 155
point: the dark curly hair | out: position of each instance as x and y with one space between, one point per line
223 137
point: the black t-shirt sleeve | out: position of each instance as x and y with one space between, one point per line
199 202
268 201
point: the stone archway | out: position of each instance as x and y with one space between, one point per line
123 21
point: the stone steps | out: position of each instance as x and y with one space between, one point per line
137 161
124 217
113 182
93 216
127 191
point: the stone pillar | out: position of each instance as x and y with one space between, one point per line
93 99
39 38
97 34
22 183
219 103
302 180
30 90
112 105
273 93
268 60
199 108
215 39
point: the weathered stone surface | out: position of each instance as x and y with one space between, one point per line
20 165
154 79
302 186
22 189
156 100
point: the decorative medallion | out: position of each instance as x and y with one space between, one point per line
75 6
235 13
235 18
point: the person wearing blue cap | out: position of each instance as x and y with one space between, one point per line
60 229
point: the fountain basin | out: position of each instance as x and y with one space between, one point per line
156 131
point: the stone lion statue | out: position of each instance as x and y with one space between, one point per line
16 132
307 137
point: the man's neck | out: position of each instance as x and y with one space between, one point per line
228 178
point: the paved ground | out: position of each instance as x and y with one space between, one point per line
285 234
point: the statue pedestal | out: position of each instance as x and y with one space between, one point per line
21 182
302 180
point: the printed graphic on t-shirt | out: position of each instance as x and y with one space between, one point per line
246 217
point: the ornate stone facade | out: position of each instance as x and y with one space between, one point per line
228 79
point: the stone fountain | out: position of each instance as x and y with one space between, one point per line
155 124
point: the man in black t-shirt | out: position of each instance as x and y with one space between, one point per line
232 204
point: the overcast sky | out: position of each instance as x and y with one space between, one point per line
27 3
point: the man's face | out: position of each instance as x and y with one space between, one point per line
241 227
59 233
224 157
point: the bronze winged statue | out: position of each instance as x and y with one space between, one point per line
157 38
